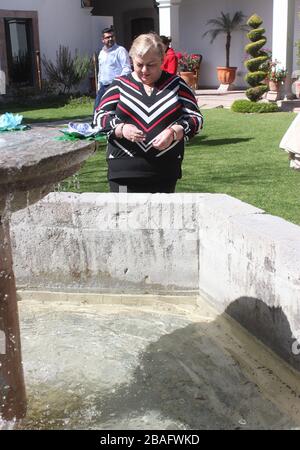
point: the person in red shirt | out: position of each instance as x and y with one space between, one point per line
170 62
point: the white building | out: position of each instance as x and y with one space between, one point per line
43 25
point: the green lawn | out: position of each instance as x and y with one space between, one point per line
46 111
236 154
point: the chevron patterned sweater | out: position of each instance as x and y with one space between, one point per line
171 102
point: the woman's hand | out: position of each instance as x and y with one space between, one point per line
164 139
132 133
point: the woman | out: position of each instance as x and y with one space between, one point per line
170 62
147 116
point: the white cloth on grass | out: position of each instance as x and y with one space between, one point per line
291 143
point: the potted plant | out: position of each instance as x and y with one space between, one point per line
226 25
276 76
188 67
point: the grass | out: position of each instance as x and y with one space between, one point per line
235 154
57 109
238 154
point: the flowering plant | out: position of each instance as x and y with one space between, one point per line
276 72
188 62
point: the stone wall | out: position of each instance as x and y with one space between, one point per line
138 243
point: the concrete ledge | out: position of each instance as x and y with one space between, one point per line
92 298
289 105
247 263
256 275
108 242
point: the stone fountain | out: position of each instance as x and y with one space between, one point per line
30 163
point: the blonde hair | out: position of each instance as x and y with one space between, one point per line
145 43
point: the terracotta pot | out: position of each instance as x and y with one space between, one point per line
189 78
226 75
274 85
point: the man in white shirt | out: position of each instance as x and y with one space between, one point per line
113 62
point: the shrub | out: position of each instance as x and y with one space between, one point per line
246 106
253 93
255 64
68 71
78 101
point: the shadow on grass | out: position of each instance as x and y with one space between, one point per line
49 101
24 106
223 182
217 142
61 118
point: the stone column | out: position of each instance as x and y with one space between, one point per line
283 37
169 20
2 80
12 387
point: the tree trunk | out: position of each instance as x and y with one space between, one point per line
228 41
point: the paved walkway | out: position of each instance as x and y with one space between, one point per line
212 98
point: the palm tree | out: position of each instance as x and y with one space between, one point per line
226 25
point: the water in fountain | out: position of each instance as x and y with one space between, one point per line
152 366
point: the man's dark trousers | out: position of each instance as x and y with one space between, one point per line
100 93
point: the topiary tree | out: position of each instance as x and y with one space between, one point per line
257 73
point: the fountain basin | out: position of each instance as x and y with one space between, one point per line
242 260
147 362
